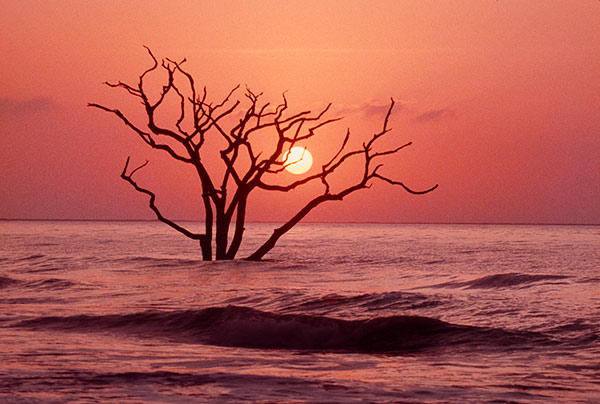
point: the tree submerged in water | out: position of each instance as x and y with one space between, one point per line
244 168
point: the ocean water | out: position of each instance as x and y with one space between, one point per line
126 312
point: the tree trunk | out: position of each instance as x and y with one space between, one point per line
206 247
239 229
206 242
222 232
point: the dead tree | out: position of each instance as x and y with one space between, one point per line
225 201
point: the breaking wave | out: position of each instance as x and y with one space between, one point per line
236 326
502 281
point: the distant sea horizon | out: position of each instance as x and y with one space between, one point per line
4 219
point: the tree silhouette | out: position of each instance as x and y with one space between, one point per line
245 169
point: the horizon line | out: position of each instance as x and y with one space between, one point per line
311 222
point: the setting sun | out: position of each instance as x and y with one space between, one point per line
298 160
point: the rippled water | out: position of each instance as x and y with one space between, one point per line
126 312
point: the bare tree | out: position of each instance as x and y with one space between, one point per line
225 201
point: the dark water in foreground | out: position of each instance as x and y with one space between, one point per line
127 313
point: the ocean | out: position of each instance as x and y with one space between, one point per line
126 312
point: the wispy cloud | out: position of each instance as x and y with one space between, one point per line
288 51
32 106
434 115
369 109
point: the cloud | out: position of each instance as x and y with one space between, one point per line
434 115
32 106
370 109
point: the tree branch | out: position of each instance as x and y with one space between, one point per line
146 137
151 203
407 189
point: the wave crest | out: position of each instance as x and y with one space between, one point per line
502 281
245 327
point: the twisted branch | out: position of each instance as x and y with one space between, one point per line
152 204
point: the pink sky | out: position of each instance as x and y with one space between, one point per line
501 100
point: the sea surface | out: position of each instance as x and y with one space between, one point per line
126 312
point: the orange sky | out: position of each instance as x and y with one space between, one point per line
500 98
